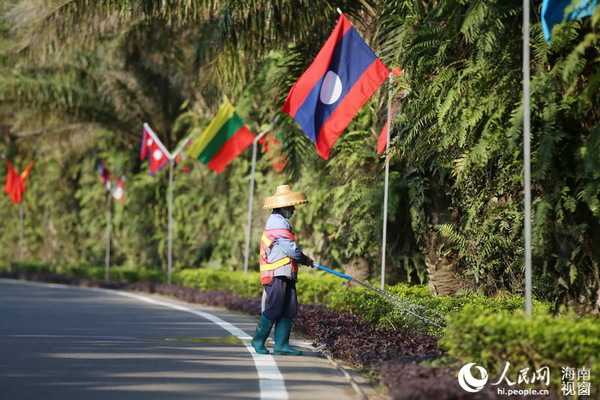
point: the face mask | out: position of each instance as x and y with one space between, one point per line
287 212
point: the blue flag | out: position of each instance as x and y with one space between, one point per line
343 76
553 12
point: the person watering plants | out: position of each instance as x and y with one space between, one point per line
279 259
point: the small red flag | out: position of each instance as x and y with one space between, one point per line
104 174
153 149
383 134
382 141
272 149
14 185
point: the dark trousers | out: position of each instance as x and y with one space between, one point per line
280 299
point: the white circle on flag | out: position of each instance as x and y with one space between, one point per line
331 90
157 154
149 142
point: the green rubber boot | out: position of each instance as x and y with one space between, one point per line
283 327
262 334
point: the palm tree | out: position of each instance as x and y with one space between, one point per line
143 63
456 164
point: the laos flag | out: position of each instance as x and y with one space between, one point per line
341 79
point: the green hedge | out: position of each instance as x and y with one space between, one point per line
417 299
88 272
30 267
208 279
311 288
314 287
491 337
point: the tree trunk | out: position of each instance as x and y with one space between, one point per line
443 270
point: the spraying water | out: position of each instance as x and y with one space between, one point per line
416 310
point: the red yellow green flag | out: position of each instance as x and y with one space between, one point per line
224 139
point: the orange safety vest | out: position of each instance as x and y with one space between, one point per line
267 268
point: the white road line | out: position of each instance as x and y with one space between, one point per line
271 383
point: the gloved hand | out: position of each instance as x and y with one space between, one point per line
308 261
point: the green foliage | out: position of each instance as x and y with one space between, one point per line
378 311
491 337
88 272
236 282
79 78
311 288
462 125
318 287
29 267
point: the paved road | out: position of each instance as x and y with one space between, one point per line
68 343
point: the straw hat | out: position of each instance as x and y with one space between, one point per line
284 197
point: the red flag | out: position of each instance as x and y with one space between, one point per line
15 183
383 134
12 183
154 149
272 149
343 76
104 174
382 141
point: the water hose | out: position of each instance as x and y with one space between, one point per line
348 278
401 304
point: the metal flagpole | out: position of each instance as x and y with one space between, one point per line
21 233
179 148
527 156
172 157
108 230
170 227
387 178
251 197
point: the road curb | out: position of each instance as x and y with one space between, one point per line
323 351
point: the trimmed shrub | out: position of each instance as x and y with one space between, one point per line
312 288
122 274
318 288
491 337
208 279
417 300
31 267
